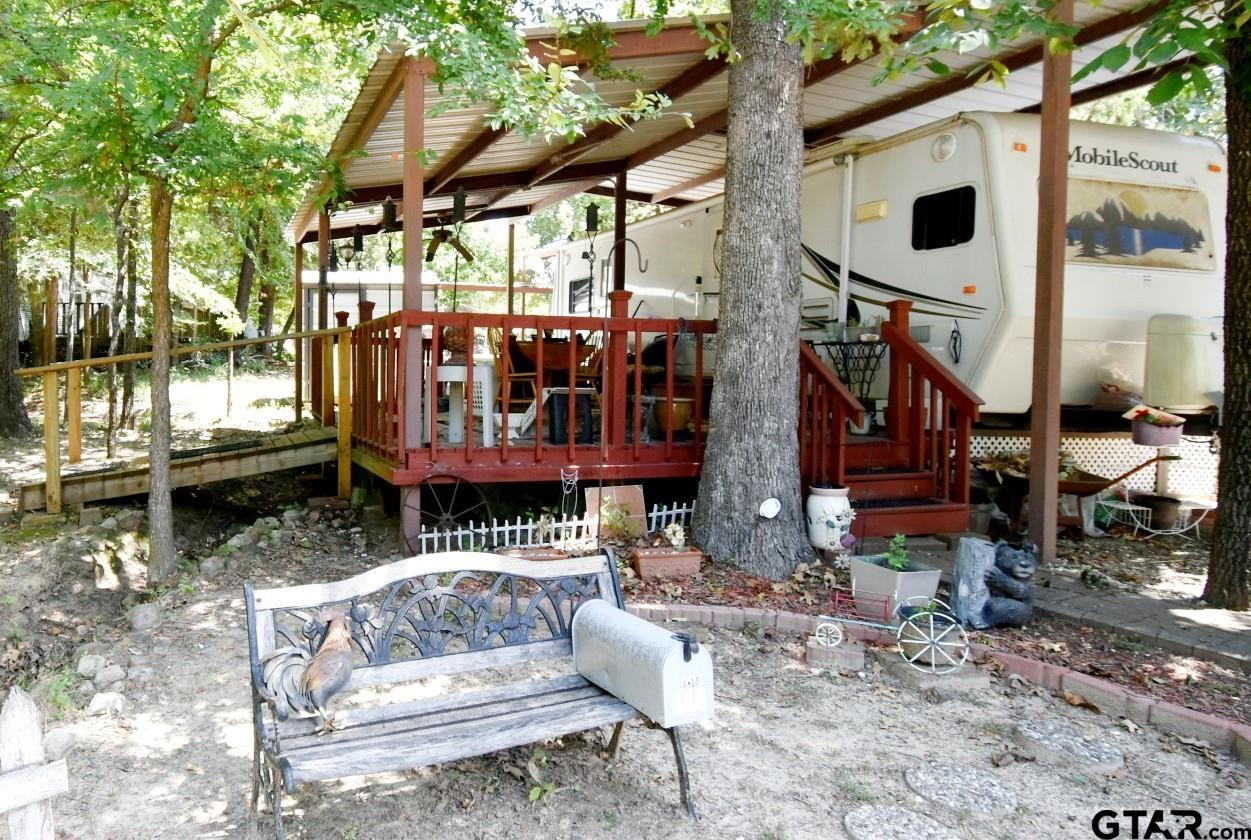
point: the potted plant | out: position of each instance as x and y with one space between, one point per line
671 557
891 576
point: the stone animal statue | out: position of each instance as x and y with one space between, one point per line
992 584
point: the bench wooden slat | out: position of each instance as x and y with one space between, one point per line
418 726
313 594
463 740
458 663
291 730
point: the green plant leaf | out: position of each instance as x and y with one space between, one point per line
1165 89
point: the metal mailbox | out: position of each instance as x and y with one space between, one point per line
664 675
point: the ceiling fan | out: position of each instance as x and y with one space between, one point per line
451 236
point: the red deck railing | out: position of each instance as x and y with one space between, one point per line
575 352
825 404
929 409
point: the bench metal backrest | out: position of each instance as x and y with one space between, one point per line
443 613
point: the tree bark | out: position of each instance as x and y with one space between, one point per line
13 418
247 271
1229 570
120 240
753 448
130 341
71 291
268 291
162 553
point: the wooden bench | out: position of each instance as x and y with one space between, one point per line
434 615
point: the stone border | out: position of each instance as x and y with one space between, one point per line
1111 698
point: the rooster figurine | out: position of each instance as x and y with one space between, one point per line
304 682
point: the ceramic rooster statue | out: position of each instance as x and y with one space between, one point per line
304 682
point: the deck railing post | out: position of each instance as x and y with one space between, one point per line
344 416
51 443
897 399
619 308
74 413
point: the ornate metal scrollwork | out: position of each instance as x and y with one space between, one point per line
425 616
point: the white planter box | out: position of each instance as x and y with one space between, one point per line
871 577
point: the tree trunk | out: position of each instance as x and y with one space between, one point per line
71 291
247 271
13 418
1229 571
130 341
162 553
268 291
753 449
120 239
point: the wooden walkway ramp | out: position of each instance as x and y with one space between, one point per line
236 459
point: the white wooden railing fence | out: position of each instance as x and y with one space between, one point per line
27 781
564 533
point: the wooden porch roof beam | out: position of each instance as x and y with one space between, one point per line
452 167
833 130
430 219
635 195
698 181
672 40
1133 81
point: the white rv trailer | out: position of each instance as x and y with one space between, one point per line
945 216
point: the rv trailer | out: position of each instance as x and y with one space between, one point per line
945 216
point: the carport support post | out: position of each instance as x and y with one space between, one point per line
299 327
1049 293
619 307
323 266
411 204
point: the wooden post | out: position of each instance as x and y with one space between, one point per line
230 383
51 443
1049 293
897 393
512 237
316 368
74 412
412 204
344 416
327 381
619 235
298 313
26 781
49 323
87 323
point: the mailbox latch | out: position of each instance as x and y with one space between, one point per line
690 645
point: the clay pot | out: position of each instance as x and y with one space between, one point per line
679 418
456 342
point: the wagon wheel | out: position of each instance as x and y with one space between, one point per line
918 603
932 642
441 506
829 634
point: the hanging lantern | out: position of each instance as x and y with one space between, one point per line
334 258
390 221
592 218
358 239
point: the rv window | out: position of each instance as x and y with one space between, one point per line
1115 223
580 296
943 219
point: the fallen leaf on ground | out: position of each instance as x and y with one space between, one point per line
1075 699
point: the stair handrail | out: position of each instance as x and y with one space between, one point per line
903 344
853 405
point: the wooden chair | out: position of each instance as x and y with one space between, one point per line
526 380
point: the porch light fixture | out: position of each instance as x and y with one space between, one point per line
353 251
592 218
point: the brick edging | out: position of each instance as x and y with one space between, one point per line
1111 698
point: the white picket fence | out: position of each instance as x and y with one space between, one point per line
565 533
27 781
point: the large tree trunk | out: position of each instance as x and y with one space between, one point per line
162 553
268 292
13 418
130 342
753 448
1229 571
120 239
247 271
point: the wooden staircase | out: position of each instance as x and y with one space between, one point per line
915 478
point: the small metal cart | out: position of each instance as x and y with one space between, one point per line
927 634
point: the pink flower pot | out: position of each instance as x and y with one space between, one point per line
665 562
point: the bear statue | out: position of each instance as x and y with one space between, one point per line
992 583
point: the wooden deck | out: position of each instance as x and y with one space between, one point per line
237 459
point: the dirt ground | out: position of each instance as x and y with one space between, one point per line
790 752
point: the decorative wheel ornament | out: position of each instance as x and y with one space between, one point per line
829 634
441 506
932 641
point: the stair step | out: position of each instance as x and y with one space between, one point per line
911 516
880 483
